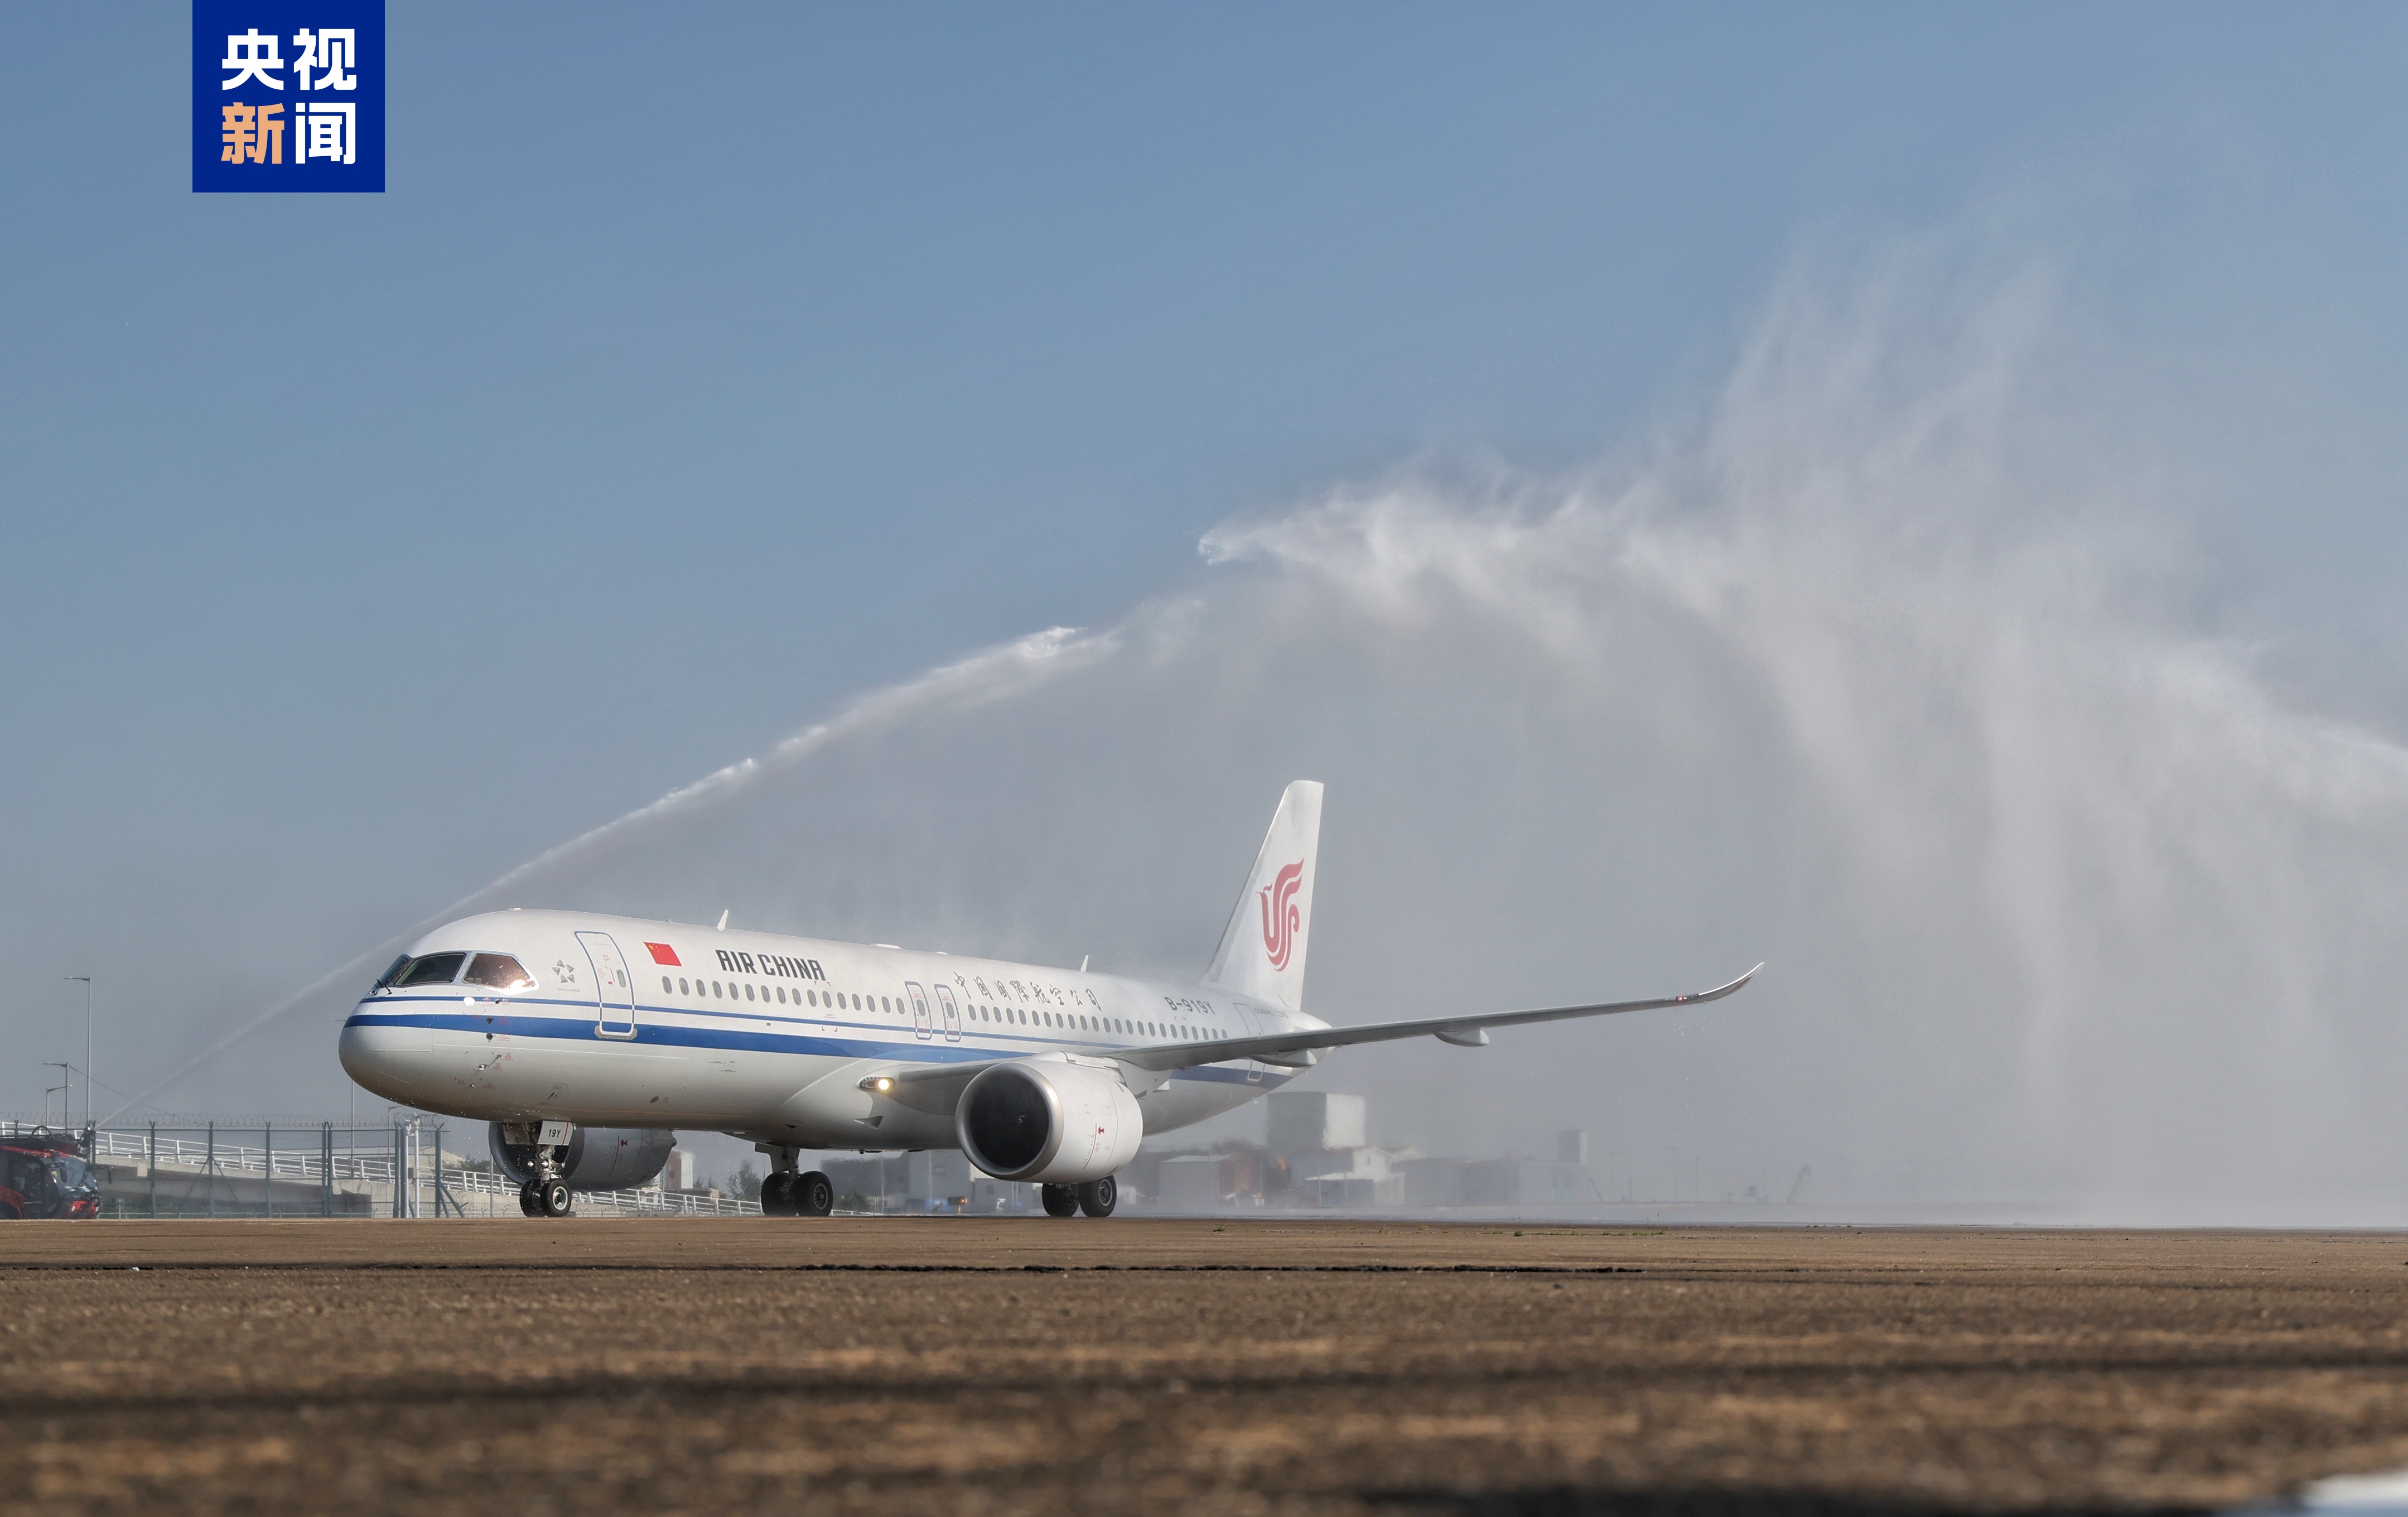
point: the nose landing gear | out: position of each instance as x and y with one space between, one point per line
546 1198
546 1193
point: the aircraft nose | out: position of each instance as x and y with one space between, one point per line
390 1060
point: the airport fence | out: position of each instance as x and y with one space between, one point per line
406 1169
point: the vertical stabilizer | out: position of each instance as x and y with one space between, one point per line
1261 950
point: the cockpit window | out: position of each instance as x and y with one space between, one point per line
499 972
432 969
392 972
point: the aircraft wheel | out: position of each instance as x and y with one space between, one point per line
776 1193
527 1202
554 1198
1097 1198
1060 1199
811 1195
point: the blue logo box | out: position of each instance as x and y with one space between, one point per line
288 98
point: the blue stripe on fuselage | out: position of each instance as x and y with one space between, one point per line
582 1028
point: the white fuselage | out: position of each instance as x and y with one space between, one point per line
627 1023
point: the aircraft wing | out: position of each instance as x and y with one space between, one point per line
938 1088
1298 1047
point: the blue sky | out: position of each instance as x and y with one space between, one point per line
700 367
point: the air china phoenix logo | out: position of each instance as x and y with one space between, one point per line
1281 918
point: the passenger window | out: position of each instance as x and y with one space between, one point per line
500 972
748 992
714 990
665 985
433 969
681 989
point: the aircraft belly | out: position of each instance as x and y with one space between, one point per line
1182 1102
827 1108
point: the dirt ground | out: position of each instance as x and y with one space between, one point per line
1034 1365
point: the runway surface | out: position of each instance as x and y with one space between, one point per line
1032 1366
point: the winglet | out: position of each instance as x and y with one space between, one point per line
1718 991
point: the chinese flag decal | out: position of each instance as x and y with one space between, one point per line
664 954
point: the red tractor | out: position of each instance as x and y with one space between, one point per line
42 1174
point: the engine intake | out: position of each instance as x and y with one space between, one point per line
599 1158
1045 1120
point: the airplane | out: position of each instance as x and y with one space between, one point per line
587 1040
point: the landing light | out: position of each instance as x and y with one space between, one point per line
880 1083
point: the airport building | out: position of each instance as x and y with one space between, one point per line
1316 1155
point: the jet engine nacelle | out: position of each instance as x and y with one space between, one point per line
599 1158
1046 1119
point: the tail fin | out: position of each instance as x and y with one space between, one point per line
1261 950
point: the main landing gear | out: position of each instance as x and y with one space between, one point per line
786 1193
1097 1198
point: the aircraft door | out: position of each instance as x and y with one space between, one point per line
952 1012
919 1011
613 991
1249 1028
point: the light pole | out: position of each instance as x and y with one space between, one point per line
66 1089
87 1043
